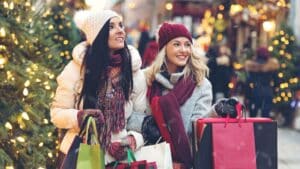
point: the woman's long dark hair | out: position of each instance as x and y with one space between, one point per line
95 65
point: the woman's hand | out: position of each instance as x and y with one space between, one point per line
96 113
118 149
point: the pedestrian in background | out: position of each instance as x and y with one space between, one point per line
151 50
103 80
220 70
179 92
261 82
144 38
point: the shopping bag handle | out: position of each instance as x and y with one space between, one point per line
89 123
240 113
94 134
130 158
83 125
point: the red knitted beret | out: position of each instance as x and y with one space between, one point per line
169 31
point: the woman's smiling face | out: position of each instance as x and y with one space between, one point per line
178 52
116 39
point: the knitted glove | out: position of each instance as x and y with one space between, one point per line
96 113
150 130
226 107
118 149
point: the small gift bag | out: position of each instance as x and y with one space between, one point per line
90 155
159 153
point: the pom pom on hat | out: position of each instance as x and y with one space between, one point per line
169 31
91 22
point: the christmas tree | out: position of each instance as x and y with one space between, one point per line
35 42
283 47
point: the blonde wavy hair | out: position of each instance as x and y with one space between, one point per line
196 66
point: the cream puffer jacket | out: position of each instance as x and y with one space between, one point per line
63 109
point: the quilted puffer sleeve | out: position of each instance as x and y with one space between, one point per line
63 112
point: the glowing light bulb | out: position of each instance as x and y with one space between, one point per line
46 121
25 116
8 125
50 155
11 6
21 139
2 32
27 83
25 92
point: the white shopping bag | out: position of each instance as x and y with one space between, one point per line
159 153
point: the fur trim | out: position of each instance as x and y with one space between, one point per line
271 65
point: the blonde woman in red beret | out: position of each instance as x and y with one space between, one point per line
103 80
178 90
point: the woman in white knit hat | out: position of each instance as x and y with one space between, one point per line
103 80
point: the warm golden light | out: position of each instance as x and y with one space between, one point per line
269 26
2 32
3 60
131 5
169 6
270 48
235 8
21 139
46 121
220 16
50 155
8 125
230 85
27 83
9 167
25 92
276 42
25 116
221 7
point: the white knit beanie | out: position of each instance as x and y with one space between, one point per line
91 22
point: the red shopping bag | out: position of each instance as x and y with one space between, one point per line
249 143
233 146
